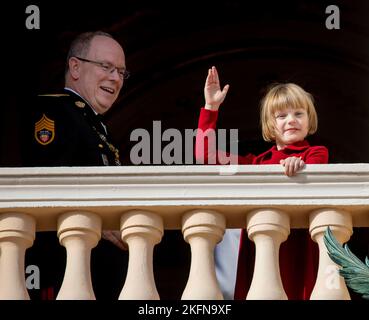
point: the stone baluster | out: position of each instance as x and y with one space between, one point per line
329 284
141 230
268 228
17 233
202 229
78 232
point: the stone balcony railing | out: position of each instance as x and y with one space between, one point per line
201 200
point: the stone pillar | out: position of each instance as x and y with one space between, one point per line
141 230
78 232
17 233
329 284
268 228
202 229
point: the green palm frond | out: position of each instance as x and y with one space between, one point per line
353 270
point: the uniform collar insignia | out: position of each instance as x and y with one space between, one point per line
80 104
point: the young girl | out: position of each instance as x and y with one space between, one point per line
287 116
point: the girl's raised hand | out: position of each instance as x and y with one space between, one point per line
292 165
214 96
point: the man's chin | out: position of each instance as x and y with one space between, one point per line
103 108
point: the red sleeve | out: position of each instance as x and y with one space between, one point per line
317 155
205 146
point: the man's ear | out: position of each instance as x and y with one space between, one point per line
74 67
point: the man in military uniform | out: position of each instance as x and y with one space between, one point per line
67 127
66 130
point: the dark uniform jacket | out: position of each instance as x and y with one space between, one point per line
63 130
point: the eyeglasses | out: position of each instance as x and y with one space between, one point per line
108 67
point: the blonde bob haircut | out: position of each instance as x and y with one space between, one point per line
281 96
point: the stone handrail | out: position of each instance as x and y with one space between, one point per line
143 201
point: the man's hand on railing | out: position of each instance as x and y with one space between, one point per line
114 237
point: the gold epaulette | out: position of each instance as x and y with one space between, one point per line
54 95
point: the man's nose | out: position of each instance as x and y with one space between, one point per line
114 74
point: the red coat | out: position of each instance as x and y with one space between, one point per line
298 254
